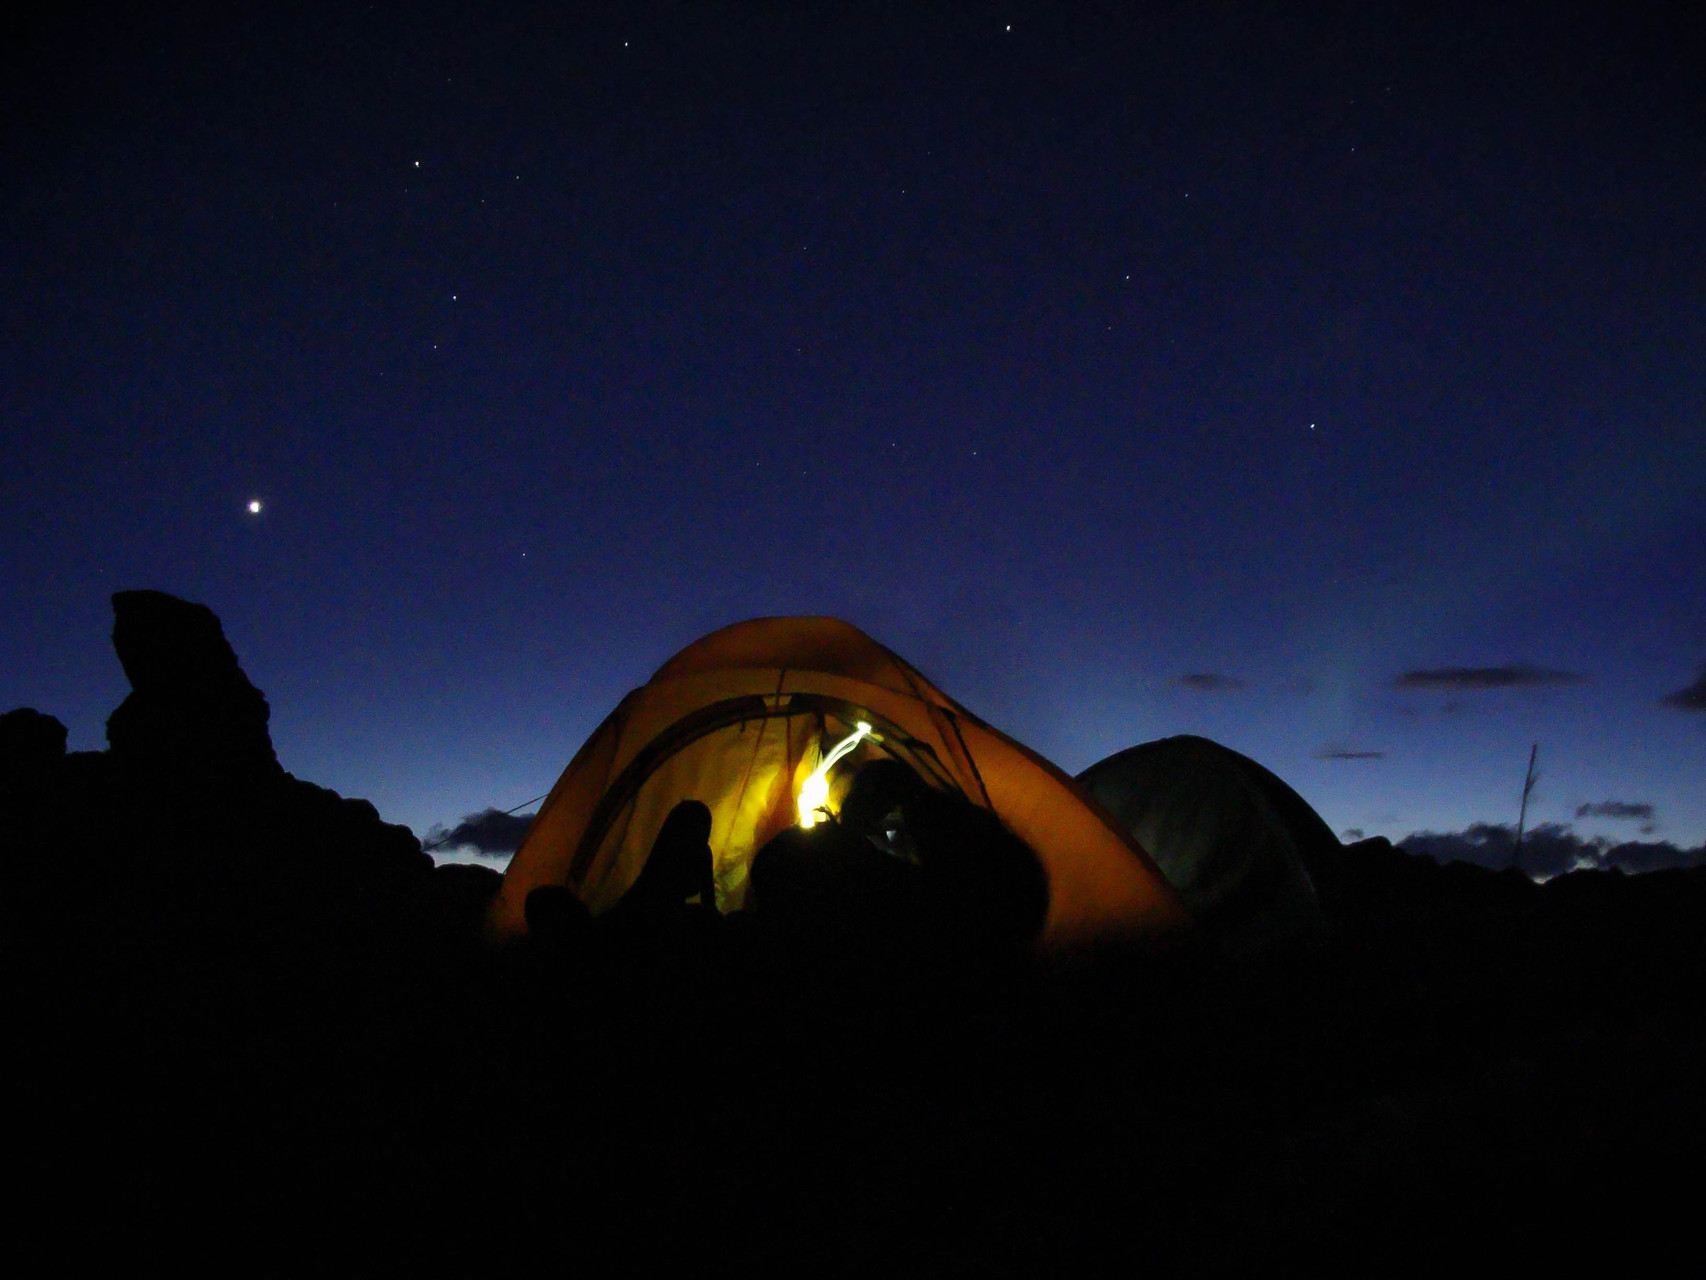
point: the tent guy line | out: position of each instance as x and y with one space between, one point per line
430 845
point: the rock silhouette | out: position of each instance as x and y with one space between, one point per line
191 710
30 742
186 843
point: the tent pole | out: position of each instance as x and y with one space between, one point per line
1528 781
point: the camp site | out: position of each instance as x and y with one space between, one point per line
801 963
853 638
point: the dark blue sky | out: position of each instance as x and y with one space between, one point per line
1294 348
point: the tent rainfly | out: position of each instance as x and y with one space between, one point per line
1230 836
742 720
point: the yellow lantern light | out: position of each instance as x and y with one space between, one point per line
814 791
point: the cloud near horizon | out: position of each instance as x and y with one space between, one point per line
1209 682
1616 809
1518 675
1550 849
1692 698
490 833
1346 753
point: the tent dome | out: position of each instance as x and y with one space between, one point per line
740 719
1229 835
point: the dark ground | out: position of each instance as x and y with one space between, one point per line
251 1020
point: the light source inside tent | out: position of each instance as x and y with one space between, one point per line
814 791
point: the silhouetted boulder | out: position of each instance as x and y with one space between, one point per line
1374 887
190 707
54 802
346 826
461 892
187 833
30 743
196 768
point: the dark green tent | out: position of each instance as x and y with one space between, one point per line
1231 837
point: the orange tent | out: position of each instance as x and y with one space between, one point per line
741 718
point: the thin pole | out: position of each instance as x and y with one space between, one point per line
428 848
1528 781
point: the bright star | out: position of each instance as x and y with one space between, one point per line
254 506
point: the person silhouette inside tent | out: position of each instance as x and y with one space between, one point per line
659 903
904 859
678 868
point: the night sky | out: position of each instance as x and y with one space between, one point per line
1327 380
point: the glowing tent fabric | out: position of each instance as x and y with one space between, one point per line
739 720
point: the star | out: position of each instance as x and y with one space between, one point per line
254 506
